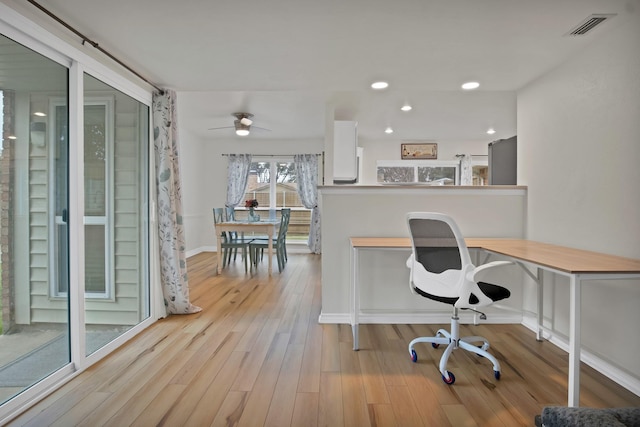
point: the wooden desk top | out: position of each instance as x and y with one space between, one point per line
569 260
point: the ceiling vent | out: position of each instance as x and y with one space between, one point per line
590 23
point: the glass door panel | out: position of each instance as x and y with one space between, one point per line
116 140
34 261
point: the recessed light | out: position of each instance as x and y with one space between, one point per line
13 137
406 107
470 85
379 85
39 114
388 130
491 131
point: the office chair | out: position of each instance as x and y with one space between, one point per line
441 270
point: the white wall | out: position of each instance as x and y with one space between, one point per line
193 166
578 153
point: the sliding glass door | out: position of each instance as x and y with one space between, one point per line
105 223
34 220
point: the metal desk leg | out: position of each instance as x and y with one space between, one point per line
540 285
574 341
355 297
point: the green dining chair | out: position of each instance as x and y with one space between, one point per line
231 241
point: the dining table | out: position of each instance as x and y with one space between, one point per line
268 227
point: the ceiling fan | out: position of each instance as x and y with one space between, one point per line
242 124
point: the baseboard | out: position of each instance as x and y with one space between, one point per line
614 373
196 251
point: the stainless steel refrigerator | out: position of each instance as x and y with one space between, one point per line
503 161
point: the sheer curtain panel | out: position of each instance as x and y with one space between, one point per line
307 174
237 177
173 264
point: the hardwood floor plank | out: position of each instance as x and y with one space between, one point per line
256 355
284 396
305 410
372 378
382 415
253 362
261 393
182 408
309 380
210 401
459 416
404 408
154 412
330 407
231 409
353 394
425 398
330 348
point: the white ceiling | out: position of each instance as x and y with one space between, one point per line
285 61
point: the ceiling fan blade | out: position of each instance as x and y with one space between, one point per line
223 127
258 127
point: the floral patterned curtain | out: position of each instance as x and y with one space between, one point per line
307 174
173 265
237 177
466 170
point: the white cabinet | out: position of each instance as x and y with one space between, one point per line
345 161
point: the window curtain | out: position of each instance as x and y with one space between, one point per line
173 265
307 174
237 177
466 170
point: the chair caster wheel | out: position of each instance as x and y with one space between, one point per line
435 345
414 356
496 374
451 380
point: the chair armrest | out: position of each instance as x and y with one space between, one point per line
473 274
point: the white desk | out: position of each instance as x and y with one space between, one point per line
267 227
577 264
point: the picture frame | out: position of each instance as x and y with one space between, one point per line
423 150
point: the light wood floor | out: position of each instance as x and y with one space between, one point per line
256 356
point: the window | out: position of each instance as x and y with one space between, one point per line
430 172
273 183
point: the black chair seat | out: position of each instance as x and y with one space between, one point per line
495 292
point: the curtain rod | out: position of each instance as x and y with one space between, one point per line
86 39
272 155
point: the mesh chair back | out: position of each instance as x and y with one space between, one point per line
435 245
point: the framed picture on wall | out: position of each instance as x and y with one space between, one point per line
413 151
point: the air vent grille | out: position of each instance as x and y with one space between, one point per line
590 23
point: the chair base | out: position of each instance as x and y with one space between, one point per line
453 341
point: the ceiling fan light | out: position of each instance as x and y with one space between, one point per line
241 129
